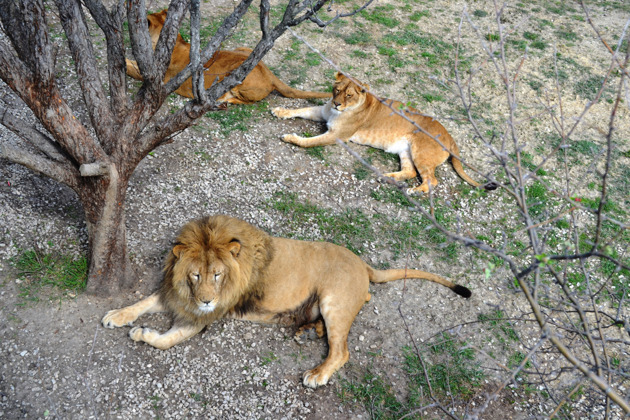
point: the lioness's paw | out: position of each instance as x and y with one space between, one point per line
280 112
117 318
314 378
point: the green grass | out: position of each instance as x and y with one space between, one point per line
500 328
317 152
238 117
381 15
64 274
537 198
350 228
451 369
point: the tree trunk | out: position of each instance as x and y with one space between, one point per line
103 201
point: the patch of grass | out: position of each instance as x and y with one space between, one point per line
360 54
480 13
313 59
238 118
451 370
588 88
66 275
539 45
375 394
450 366
359 37
537 200
501 329
390 195
531 36
567 35
317 152
351 228
381 15
416 16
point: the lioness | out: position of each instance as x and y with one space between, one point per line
222 267
259 83
354 114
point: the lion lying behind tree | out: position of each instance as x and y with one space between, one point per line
259 83
222 267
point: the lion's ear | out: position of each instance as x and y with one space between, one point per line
365 88
178 250
234 247
338 76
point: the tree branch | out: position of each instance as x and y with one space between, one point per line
112 26
63 173
42 142
73 22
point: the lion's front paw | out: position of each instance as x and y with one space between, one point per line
315 377
141 333
117 318
281 113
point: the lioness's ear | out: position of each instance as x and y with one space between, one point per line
365 88
234 247
338 76
178 250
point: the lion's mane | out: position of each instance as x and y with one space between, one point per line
207 239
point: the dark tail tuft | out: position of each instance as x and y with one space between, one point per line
462 291
491 186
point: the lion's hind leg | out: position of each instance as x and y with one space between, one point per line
338 316
407 169
128 314
310 331
175 335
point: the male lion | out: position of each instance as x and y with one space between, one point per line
259 83
222 267
354 114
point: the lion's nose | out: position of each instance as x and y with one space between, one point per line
206 302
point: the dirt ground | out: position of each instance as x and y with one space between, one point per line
58 362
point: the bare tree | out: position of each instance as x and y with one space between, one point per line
96 157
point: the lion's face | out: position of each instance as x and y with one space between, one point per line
202 277
347 94
156 22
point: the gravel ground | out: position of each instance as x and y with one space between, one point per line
59 362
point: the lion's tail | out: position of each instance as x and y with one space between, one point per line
289 92
459 168
383 276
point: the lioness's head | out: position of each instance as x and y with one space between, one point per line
211 266
347 94
156 23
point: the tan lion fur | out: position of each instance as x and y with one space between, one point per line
354 114
259 83
224 267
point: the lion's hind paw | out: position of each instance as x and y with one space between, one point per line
310 331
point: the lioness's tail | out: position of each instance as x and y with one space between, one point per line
383 276
459 168
289 92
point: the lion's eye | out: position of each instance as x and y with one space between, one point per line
196 277
217 276
349 95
